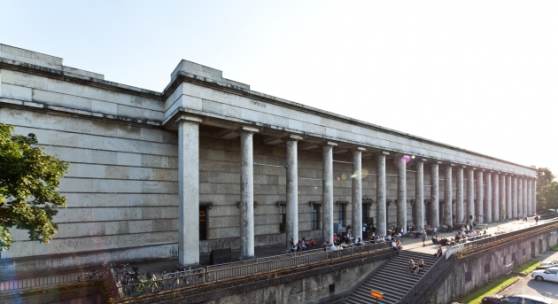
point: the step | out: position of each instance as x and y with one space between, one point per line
386 279
378 282
391 291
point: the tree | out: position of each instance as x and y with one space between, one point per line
550 195
544 180
29 181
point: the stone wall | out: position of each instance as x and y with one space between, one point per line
471 273
122 192
317 284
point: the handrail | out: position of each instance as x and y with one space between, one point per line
240 270
490 242
23 284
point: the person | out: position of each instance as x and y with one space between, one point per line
412 265
420 265
439 252
394 246
536 219
424 237
293 246
358 242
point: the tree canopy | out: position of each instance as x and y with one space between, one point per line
547 189
29 181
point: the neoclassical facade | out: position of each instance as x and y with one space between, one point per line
209 163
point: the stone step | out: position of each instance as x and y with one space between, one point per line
393 279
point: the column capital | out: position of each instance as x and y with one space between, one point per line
295 137
188 118
361 149
249 129
330 143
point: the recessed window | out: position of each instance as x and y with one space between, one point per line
203 223
342 214
316 219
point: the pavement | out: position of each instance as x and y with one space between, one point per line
528 286
415 244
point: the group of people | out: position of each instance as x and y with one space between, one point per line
416 266
301 245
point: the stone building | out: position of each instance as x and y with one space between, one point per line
208 163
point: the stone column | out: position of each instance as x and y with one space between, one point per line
247 193
529 198
509 196
419 195
435 195
188 190
489 203
327 229
503 198
515 198
470 195
381 193
292 188
402 193
357 193
496 198
449 197
535 196
479 208
521 198
525 198
460 196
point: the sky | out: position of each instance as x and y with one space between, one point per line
480 75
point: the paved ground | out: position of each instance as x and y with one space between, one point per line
529 286
494 228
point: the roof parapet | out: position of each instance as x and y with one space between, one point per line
23 56
195 70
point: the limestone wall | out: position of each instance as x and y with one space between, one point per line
122 191
472 273
121 184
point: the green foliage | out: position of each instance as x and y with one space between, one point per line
490 289
527 268
29 181
550 195
547 189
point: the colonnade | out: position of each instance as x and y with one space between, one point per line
496 195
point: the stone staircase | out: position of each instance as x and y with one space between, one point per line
393 279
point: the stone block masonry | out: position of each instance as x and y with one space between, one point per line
208 163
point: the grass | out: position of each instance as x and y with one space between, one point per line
501 284
527 268
492 288
554 248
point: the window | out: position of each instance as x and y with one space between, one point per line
316 223
468 276
487 268
365 213
203 223
283 213
283 225
342 214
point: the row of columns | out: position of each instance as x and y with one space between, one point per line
506 196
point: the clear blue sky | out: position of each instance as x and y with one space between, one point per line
481 75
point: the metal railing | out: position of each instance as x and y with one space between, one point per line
25 284
490 242
243 269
